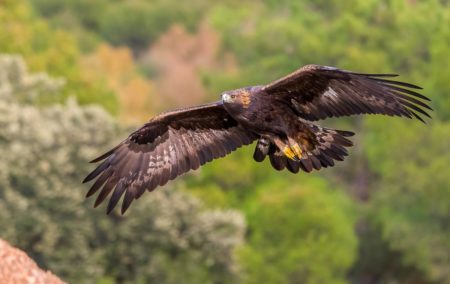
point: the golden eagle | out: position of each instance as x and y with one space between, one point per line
279 116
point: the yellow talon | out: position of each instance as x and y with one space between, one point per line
297 150
288 152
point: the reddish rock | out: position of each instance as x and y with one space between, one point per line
17 268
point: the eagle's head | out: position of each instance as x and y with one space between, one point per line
240 97
232 97
236 101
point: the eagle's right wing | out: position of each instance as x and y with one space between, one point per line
167 146
317 92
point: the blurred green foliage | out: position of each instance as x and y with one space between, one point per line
298 233
53 50
132 23
382 216
44 152
405 173
412 209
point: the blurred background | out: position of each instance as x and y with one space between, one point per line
77 75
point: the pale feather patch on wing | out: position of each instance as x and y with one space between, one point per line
330 94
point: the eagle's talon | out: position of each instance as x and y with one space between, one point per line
292 154
289 153
297 150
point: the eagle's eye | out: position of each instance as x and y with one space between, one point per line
228 98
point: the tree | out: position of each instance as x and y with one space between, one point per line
53 50
43 150
299 234
138 23
117 67
401 164
410 209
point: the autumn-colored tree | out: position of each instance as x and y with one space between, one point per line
117 67
178 60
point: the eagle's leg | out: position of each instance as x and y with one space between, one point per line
287 150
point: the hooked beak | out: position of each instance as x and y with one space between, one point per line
226 98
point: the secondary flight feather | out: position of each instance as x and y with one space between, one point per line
279 116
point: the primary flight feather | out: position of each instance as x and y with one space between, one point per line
279 116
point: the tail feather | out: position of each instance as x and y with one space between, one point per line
261 150
278 161
292 166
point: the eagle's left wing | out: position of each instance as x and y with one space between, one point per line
317 92
167 146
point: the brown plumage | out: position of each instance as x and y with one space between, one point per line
279 116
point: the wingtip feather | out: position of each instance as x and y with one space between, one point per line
129 197
345 133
